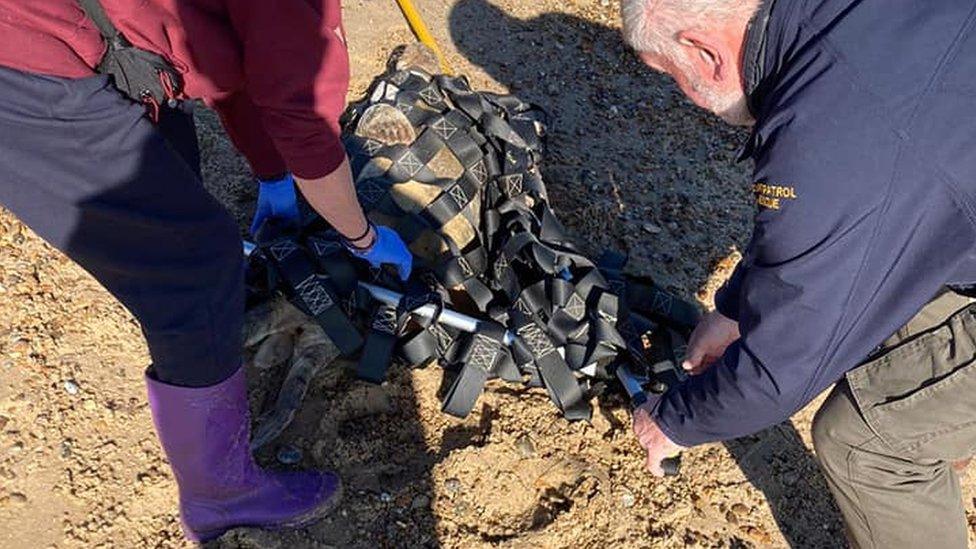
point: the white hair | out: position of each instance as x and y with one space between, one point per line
653 25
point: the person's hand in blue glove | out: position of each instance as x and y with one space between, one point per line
382 245
276 199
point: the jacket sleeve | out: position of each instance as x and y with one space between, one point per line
246 130
789 300
297 73
727 297
841 256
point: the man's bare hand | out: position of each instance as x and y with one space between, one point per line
708 342
659 447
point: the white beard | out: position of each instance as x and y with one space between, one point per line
731 107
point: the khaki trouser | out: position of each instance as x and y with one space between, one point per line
887 435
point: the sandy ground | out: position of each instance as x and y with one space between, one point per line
632 166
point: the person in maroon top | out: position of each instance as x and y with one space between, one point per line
120 193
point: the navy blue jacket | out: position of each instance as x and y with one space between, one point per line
865 153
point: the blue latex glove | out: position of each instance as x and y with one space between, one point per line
387 248
276 199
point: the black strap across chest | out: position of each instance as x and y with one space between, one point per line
141 75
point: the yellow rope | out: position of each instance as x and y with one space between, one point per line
420 31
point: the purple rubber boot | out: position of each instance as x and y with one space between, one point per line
204 432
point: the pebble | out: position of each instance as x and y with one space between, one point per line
18 498
71 387
371 401
420 502
790 478
452 485
525 446
289 455
651 228
386 498
627 499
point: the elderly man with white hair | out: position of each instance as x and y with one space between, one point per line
863 116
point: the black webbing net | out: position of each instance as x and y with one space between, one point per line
488 245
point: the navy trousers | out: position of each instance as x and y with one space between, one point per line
121 196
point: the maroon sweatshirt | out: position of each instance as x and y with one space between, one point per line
276 71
